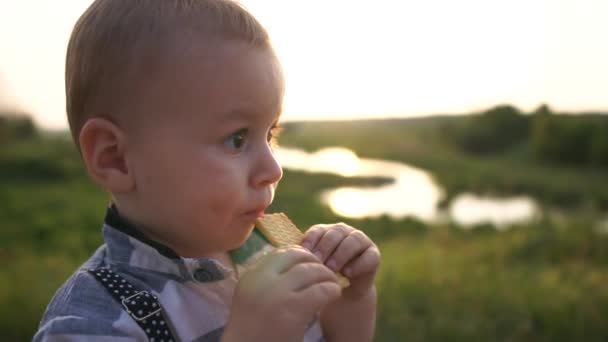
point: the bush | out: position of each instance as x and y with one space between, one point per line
16 127
493 131
569 139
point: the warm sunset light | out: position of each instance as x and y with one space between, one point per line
349 202
346 59
343 161
448 158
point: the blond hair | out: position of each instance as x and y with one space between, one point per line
116 43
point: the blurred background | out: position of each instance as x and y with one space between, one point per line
468 138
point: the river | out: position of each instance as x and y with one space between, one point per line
414 192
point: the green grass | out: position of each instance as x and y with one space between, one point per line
543 281
444 288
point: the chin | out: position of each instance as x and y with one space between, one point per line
243 237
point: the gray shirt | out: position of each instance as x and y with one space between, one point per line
195 293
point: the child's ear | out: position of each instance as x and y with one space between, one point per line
103 147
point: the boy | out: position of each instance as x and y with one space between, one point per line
172 104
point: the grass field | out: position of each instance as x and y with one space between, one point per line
543 281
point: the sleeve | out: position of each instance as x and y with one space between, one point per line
82 310
74 328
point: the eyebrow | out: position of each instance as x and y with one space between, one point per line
243 114
236 114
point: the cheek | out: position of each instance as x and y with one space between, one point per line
154 165
221 187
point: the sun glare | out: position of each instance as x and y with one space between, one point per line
349 202
339 160
348 59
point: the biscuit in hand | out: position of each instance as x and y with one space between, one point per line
280 231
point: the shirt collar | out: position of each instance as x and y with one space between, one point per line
121 224
128 245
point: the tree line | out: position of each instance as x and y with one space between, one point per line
16 127
579 140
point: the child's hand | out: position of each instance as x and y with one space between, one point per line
347 250
279 296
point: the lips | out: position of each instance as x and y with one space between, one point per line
256 212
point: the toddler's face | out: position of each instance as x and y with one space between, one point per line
203 164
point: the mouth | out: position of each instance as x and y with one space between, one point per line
255 213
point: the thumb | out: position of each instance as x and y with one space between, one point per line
319 294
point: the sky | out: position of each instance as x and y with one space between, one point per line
352 59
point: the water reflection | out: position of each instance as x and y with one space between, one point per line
468 209
336 160
413 192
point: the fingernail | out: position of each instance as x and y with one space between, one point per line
332 264
319 255
306 245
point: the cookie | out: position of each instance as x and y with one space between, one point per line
280 231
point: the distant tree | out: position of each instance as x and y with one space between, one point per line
494 130
569 139
3 129
24 128
598 153
542 125
574 136
543 110
16 127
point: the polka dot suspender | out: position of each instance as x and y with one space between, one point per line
142 306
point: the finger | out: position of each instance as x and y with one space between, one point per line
351 247
319 294
330 240
367 262
313 235
306 274
282 259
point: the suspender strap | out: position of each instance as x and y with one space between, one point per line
141 305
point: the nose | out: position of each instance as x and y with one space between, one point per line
267 170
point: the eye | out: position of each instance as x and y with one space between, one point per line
237 140
273 134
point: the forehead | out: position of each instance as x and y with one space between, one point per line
216 82
237 76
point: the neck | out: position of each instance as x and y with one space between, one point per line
224 259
